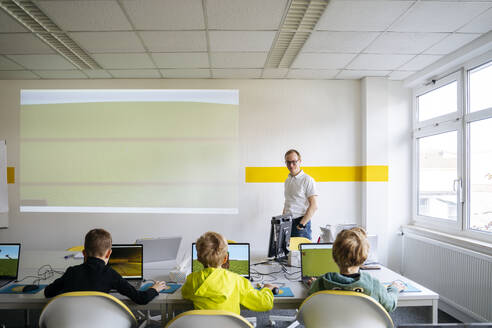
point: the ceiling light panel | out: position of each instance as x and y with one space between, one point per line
86 15
26 12
300 20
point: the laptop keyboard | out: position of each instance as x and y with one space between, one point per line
3 282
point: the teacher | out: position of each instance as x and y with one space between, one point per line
300 196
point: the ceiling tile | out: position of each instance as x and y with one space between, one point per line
275 73
181 60
241 40
8 24
165 14
404 43
122 61
236 73
42 62
22 43
419 62
378 62
61 74
481 24
97 74
18 75
322 61
99 15
109 42
238 59
451 43
437 16
316 74
7 64
338 41
136 74
186 73
171 41
355 74
400 75
237 14
361 15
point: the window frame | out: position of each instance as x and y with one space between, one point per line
459 121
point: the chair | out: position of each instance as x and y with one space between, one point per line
208 318
86 309
296 241
336 308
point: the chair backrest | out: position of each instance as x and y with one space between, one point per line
208 318
86 309
335 308
296 241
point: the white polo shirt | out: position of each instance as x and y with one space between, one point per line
297 190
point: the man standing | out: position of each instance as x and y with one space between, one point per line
300 195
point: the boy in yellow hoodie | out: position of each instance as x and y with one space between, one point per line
215 288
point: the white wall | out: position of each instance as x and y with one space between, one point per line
322 119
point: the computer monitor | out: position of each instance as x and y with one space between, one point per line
9 263
127 260
159 249
280 229
239 259
317 259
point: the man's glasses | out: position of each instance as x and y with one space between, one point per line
291 162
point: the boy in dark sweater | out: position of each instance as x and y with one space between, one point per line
95 275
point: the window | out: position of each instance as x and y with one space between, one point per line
453 151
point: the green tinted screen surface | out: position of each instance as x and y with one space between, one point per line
317 261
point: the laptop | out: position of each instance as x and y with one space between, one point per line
239 259
160 249
127 260
316 260
9 263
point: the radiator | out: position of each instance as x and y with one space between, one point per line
461 277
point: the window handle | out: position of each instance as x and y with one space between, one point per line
457 188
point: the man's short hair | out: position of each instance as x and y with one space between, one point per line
211 249
351 248
97 242
292 151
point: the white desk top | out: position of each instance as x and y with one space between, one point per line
31 261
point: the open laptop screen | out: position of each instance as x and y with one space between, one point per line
239 259
317 259
9 261
127 260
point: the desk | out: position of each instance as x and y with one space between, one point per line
425 297
168 303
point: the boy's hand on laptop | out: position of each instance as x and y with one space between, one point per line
311 280
270 286
159 285
399 285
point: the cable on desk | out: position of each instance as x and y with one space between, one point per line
45 274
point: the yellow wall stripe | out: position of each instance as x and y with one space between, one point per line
10 174
320 173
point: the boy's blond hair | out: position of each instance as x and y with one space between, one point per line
351 248
211 249
97 242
